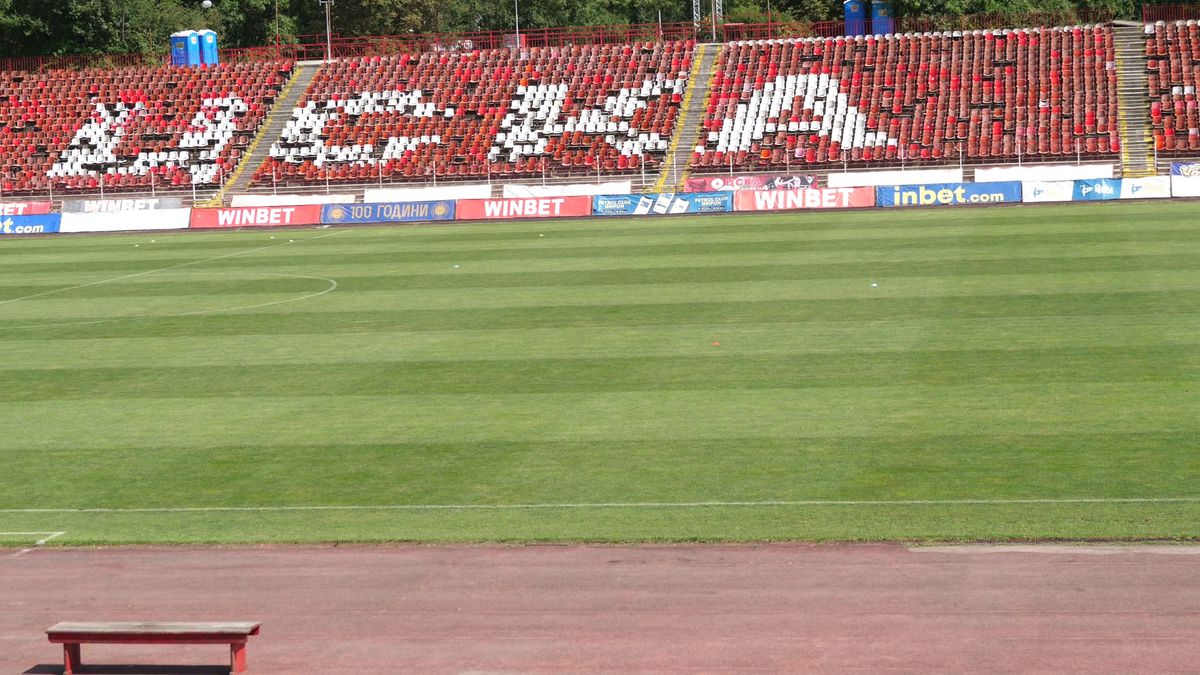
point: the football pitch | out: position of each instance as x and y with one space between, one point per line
955 374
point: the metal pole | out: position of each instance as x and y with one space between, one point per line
714 20
102 186
277 29
328 29
517 20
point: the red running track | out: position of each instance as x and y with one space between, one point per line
766 608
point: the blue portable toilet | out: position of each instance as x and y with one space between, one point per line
883 19
855 12
209 55
193 39
179 48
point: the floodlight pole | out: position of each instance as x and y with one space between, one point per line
328 29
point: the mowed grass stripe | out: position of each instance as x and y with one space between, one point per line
689 244
1011 465
830 412
871 369
51 307
800 340
271 282
1181 304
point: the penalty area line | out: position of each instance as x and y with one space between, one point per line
622 505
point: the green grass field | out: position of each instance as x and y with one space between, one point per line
947 374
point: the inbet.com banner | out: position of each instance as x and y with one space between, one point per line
41 224
120 205
1047 191
662 204
734 183
539 207
1096 190
811 198
405 212
24 208
128 221
945 194
256 216
1153 187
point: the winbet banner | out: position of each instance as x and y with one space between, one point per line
387 212
24 208
811 198
763 182
948 194
255 216
661 204
536 207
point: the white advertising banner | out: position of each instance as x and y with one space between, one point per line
290 200
1047 191
127 221
620 187
1185 186
1154 187
880 178
1043 172
428 194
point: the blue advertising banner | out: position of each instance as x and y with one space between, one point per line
946 194
387 212
1096 189
662 204
44 224
1190 169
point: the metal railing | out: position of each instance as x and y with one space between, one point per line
1153 13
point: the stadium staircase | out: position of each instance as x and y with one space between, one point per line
1137 149
695 102
260 147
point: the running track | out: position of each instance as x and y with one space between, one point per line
691 608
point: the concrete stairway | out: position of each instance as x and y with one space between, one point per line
260 147
1137 144
688 126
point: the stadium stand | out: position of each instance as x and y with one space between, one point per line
1173 64
560 111
132 128
929 97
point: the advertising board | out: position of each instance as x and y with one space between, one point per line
1047 191
569 190
255 216
760 182
24 208
120 205
128 221
810 198
1152 187
1096 190
662 204
538 207
47 223
947 194
387 212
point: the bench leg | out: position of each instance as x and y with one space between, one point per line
71 657
237 657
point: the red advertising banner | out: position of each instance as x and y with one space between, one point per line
536 207
815 198
24 208
732 183
256 216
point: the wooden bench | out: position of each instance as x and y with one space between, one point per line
73 634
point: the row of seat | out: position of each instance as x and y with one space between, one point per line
893 98
524 111
1173 73
65 130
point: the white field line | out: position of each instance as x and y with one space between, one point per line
135 275
623 505
37 544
